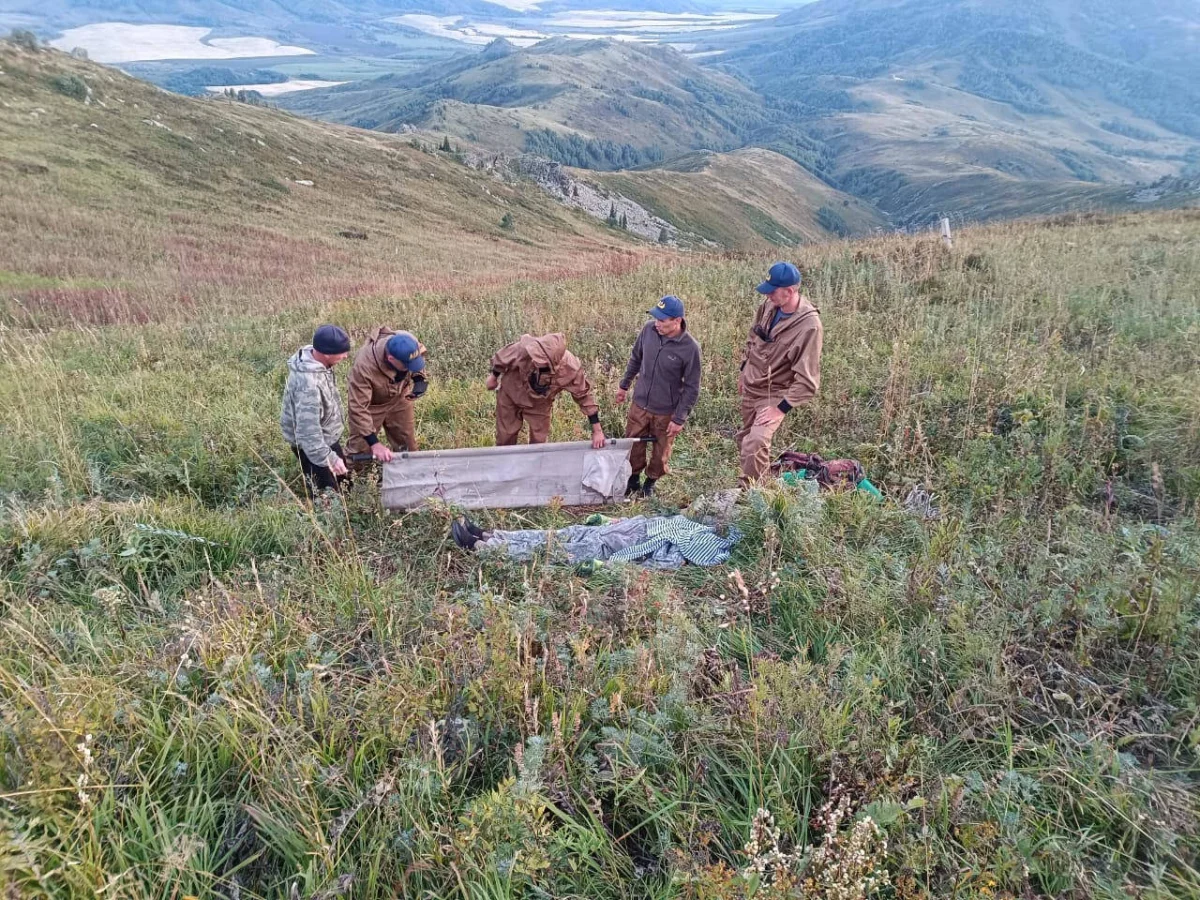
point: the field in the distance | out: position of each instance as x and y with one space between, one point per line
208 689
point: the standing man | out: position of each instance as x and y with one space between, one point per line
665 361
781 367
384 381
527 375
311 419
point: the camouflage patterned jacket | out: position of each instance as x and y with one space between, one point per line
312 411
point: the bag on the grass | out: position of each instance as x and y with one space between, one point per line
828 473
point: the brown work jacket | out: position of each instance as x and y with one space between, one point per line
782 366
375 386
514 364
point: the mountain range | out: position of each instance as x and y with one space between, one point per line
837 117
979 109
971 103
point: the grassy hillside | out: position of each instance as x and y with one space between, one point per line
208 689
124 203
601 104
211 689
949 105
749 199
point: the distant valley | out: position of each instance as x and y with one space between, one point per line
735 124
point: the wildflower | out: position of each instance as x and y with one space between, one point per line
768 862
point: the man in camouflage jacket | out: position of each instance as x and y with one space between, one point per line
311 418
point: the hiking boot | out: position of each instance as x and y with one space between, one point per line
462 536
475 531
633 485
648 487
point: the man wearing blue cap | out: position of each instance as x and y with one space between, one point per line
387 376
665 363
781 367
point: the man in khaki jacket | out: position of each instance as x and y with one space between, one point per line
781 367
385 379
527 375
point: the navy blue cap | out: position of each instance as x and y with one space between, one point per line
406 348
782 274
331 340
669 307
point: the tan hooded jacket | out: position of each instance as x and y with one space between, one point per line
514 364
784 367
374 385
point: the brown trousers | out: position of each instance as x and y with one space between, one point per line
754 441
510 418
399 422
643 423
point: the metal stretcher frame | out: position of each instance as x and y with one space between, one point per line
524 475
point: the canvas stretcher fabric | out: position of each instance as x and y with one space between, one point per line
572 474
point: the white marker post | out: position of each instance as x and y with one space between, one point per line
947 240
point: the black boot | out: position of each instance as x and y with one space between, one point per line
634 484
462 537
475 530
648 487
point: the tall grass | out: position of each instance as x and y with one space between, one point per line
207 689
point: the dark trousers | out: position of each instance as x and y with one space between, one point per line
318 478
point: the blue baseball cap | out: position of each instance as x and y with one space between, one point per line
782 274
406 348
669 307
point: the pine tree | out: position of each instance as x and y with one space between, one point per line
663 237
507 222
446 145
624 221
612 214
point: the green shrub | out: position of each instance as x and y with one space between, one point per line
71 86
24 39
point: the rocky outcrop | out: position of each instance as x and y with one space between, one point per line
557 181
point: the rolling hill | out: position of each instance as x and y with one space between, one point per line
983 106
598 103
750 198
143 195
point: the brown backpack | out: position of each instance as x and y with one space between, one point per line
829 473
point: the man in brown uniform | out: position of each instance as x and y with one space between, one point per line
384 381
665 361
781 366
527 375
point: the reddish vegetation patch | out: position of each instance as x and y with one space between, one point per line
43 307
244 255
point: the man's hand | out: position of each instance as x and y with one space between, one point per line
597 437
673 429
337 465
492 382
622 395
381 452
769 415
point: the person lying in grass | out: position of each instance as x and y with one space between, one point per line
659 542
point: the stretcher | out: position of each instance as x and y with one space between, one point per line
569 474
